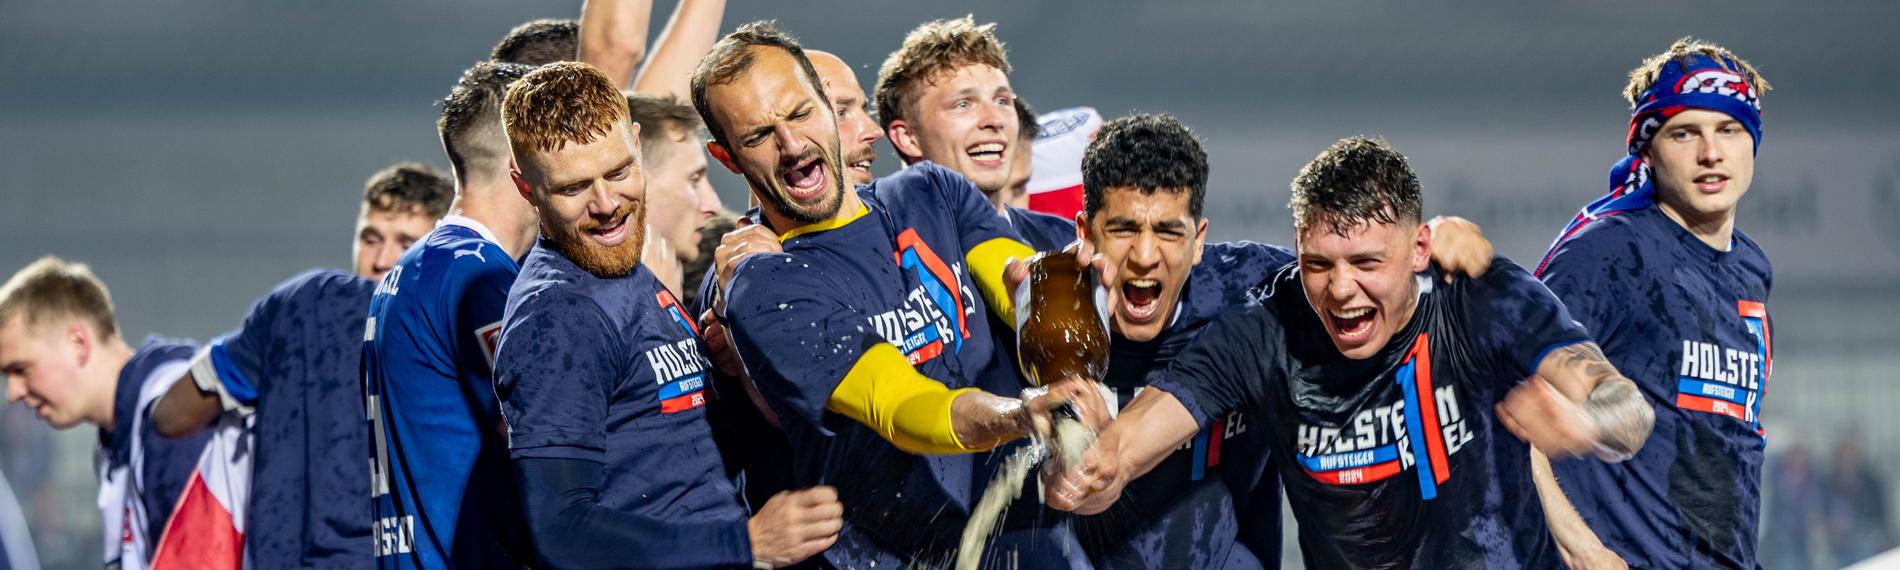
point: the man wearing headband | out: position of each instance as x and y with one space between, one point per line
1678 298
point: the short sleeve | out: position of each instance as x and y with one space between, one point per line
797 338
483 299
555 375
1516 319
239 357
1227 366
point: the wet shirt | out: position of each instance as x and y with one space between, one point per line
141 474
1394 461
297 360
893 273
1188 512
1690 325
442 490
611 370
1043 232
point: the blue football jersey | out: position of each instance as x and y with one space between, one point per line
443 492
296 359
1689 324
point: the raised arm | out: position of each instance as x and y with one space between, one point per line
688 36
1579 404
614 36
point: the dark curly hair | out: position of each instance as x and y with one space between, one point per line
1149 153
540 42
1355 181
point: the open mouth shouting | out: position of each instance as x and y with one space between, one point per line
1141 301
805 179
1352 327
988 154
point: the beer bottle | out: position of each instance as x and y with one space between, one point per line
1061 333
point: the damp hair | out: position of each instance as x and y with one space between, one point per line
1355 181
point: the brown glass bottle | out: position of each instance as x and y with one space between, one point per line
1062 334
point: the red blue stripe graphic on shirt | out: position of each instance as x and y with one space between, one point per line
683 394
1354 467
1742 374
689 391
1422 425
1422 445
673 309
940 284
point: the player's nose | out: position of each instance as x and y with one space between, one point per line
1711 152
386 258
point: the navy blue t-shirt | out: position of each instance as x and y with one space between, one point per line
610 370
167 462
1690 325
1043 232
1395 460
442 491
1190 510
801 319
297 359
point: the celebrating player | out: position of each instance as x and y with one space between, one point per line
443 493
600 373
944 96
871 313
295 362
1665 239
62 355
1385 427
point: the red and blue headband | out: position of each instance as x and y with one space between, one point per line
1695 82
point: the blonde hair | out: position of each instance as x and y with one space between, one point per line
933 48
561 103
52 288
1644 76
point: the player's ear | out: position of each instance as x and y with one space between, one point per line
514 173
904 140
82 341
1422 248
719 153
1200 240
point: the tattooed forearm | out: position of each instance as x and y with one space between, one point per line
1622 415
1588 360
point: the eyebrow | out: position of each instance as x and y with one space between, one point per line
565 184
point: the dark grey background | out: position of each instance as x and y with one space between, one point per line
198 151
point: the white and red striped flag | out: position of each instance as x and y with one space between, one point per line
206 530
1055 166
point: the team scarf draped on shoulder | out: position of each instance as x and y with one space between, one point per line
1698 81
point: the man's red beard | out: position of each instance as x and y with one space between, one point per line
602 261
